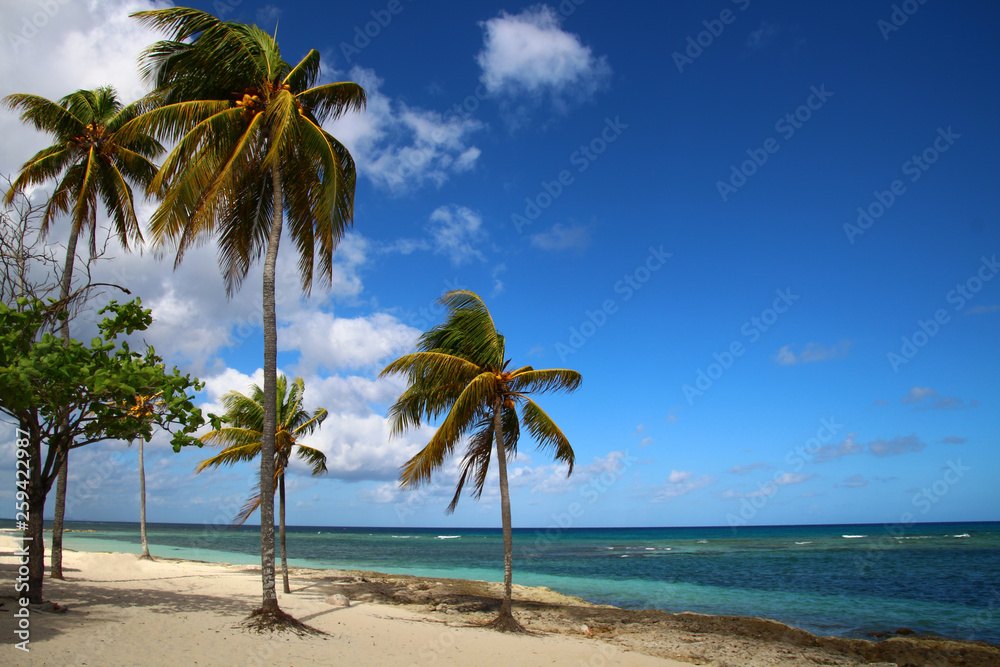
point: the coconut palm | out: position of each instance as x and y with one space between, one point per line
144 406
250 150
95 162
460 372
242 442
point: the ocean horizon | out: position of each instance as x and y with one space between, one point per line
830 579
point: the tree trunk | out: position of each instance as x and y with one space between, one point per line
55 567
34 545
33 538
505 622
281 530
269 602
142 506
55 570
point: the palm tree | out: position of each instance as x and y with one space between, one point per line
242 442
144 406
250 148
93 159
461 373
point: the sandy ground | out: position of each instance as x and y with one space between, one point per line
124 611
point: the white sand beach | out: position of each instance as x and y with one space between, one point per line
126 611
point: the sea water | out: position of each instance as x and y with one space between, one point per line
845 580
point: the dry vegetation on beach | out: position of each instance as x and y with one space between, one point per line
182 612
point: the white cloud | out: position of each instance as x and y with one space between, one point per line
812 352
917 395
81 44
744 470
896 446
762 36
879 447
679 483
769 488
455 232
678 476
928 399
853 482
402 148
530 52
561 237
332 343
847 447
551 478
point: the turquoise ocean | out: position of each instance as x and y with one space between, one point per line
847 580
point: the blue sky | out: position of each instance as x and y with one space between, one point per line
765 233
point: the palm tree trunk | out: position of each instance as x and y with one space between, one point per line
142 506
505 622
269 602
55 570
281 530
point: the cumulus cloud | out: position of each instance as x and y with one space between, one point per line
679 483
401 148
770 487
812 352
530 52
847 447
456 231
896 446
917 395
926 398
761 37
332 343
562 237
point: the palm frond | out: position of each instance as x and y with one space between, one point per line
552 379
541 427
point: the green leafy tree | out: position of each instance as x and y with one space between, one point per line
250 153
64 396
242 442
461 374
94 164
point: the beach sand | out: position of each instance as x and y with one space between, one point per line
125 611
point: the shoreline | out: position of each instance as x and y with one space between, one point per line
97 589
